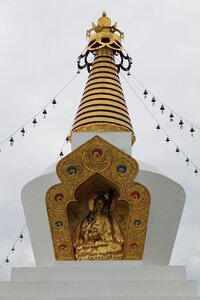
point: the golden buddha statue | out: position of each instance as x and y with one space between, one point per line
98 236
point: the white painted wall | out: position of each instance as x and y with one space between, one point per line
102 280
122 140
33 200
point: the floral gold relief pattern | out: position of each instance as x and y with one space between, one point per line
85 222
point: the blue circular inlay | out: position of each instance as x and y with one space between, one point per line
137 222
121 169
58 224
71 170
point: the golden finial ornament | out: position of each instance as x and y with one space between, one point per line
103 107
103 34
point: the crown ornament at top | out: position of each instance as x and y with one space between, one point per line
105 36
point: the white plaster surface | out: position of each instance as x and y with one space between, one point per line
122 140
167 202
99 287
106 270
33 200
96 280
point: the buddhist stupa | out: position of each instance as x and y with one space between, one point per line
101 224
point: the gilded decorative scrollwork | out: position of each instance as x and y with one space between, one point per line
101 36
97 165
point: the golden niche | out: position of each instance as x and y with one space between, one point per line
98 211
98 236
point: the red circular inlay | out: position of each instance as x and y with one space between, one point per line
135 195
97 152
62 247
133 246
59 197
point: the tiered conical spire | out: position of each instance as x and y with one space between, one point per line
103 107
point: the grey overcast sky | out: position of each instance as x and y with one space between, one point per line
40 43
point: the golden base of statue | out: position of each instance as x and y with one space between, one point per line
107 256
99 251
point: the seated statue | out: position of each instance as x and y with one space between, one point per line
98 236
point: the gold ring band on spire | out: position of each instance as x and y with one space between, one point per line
103 107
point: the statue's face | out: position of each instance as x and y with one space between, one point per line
99 204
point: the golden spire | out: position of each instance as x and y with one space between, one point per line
103 107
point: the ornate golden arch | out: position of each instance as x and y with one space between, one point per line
97 157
